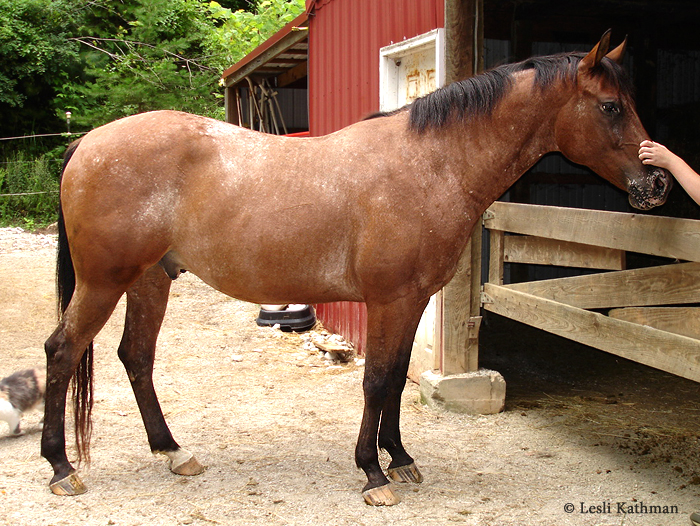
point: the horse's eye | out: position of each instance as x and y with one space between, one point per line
611 108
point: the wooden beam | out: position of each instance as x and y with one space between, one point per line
231 102
277 48
664 285
678 320
659 236
292 75
459 330
496 256
675 354
542 251
464 29
464 38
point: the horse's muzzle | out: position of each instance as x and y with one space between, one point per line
651 189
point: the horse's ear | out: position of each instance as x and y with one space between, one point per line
618 53
597 53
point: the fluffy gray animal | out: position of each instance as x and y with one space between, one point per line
21 392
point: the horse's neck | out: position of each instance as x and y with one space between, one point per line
493 151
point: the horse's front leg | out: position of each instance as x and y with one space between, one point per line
402 467
390 332
147 300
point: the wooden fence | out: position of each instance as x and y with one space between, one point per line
648 315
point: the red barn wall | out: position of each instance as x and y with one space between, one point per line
345 37
344 41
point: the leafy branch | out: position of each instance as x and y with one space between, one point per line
128 52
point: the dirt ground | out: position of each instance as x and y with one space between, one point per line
276 424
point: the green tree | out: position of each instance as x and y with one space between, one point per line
148 55
168 54
239 32
36 56
105 59
235 5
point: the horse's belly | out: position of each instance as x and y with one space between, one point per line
299 266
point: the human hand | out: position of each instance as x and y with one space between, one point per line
651 152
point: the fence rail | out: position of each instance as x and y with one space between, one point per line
639 314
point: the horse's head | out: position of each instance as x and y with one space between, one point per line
599 127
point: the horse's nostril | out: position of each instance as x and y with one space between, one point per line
661 182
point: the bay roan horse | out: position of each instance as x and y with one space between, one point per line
378 212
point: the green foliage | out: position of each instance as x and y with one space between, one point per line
239 32
148 57
37 177
105 59
35 55
166 54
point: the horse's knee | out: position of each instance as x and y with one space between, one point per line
375 387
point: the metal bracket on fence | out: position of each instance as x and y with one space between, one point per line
485 298
473 326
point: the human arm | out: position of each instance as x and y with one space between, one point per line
658 155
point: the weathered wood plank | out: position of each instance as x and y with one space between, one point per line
427 342
660 236
664 285
464 36
456 301
675 354
459 351
277 48
542 251
678 320
496 256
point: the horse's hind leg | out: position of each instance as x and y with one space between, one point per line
390 332
146 303
88 311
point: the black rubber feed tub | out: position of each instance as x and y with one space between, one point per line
294 318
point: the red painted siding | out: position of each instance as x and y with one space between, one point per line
346 318
344 41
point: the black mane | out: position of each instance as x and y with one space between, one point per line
478 95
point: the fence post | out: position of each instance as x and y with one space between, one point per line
460 385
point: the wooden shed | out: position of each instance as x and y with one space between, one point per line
344 59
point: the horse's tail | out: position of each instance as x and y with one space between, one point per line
65 286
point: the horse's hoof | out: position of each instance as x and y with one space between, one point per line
182 462
381 496
190 467
71 485
408 473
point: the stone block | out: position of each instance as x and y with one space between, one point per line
481 392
